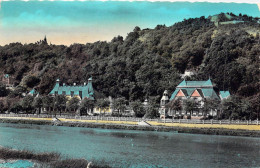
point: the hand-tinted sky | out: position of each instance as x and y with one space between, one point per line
89 21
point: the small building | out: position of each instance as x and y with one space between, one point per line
81 91
224 94
7 80
196 90
33 92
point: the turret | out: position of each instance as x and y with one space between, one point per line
165 98
58 82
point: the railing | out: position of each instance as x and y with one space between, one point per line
133 119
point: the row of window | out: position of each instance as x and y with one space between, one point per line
71 93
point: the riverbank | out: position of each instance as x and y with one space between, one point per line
24 158
215 129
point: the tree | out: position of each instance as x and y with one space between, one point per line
102 104
152 109
17 92
190 105
175 105
73 104
210 104
30 81
120 105
86 106
37 103
27 103
47 102
60 102
138 108
1 106
3 91
16 107
235 108
151 112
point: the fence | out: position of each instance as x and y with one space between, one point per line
133 119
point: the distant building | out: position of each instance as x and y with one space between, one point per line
81 91
33 92
196 90
7 80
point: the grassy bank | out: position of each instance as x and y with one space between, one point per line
215 129
46 160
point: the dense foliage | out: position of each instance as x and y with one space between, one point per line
147 61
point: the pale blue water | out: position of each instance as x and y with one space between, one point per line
17 164
124 148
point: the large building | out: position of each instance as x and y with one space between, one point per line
81 91
196 90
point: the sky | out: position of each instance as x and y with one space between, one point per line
68 22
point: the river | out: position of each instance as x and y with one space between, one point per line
135 149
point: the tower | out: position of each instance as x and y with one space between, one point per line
164 100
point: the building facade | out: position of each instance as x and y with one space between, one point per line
80 91
199 91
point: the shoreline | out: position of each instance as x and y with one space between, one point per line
160 128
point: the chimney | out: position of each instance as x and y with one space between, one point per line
64 84
74 84
85 83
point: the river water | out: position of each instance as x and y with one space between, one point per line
135 149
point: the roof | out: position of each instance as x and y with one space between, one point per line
209 93
205 89
204 92
224 94
33 92
193 84
6 75
87 90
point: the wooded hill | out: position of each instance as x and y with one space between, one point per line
147 61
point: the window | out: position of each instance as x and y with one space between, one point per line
64 92
72 93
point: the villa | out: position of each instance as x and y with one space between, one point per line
196 90
80 91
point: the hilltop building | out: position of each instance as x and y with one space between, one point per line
196 90
7 80
81 91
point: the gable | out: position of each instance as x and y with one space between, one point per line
195 94
180 94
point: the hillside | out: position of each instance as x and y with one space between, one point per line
147 61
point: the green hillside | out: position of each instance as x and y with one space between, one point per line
147 61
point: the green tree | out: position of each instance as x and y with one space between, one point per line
102 104
60 103
175 105
1 106
30 81
16 107
38 104
3 91
120 105
86 106
190 105
152 109
138 108
210 104
27 103
47 102
73 104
